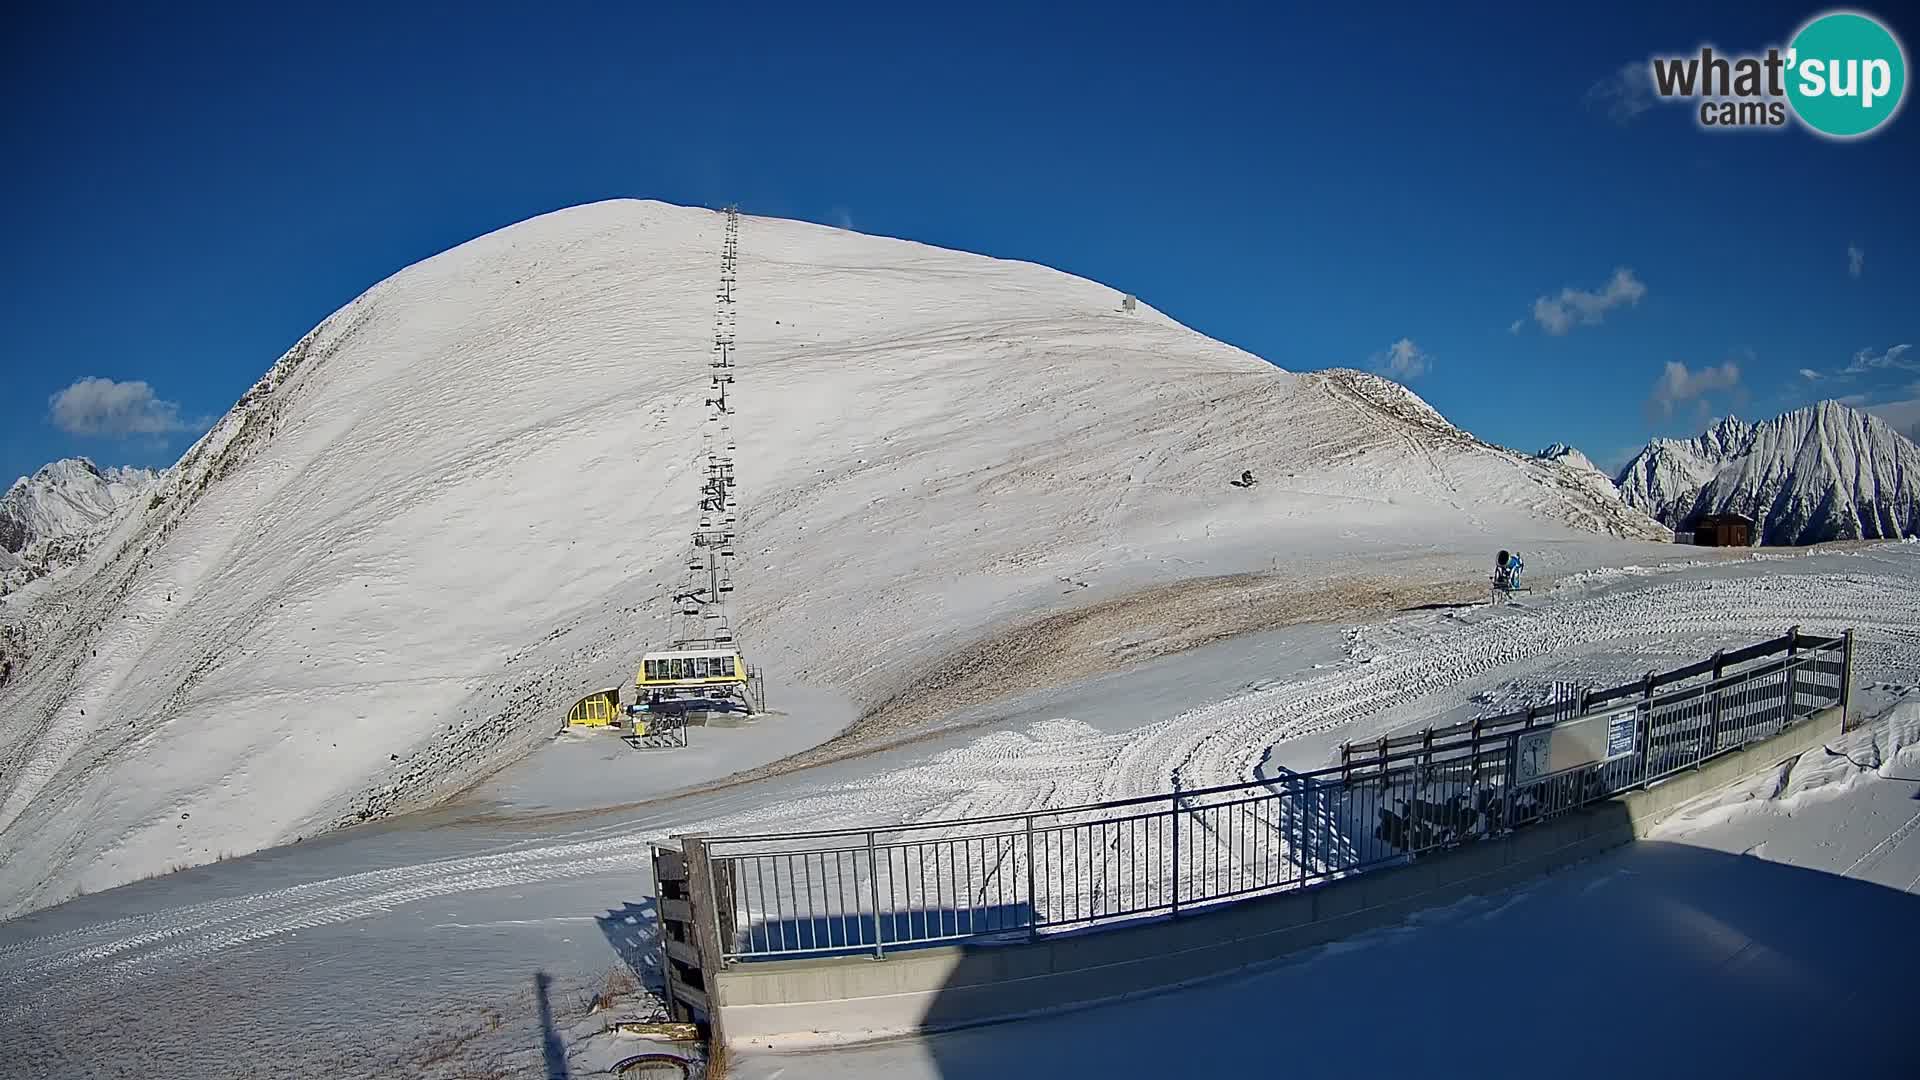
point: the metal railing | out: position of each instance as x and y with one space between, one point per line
1014 875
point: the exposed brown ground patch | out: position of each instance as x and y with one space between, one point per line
1061 648
1118 633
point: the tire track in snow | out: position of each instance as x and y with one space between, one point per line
136 945
1223 743
1886 845
1056 762
132 946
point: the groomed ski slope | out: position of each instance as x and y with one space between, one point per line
460 501
365 950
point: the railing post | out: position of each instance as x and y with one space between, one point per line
1713 701
671 890
1422 777
1513 779
1473 783
1514 751
1793 674
704 921
1846 679
1312 817
1646 743
1175 798
1386 781
873 892
1033 898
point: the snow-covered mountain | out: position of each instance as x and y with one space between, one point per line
1825 472
1581 469
49 520
1561 453
461 501
1662 479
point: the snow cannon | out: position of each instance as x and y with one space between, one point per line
1507 568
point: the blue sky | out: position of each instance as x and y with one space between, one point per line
189 190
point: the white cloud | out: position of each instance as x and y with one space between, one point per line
1810 375
1625 94
95 406
1516 326
1558 314
1677 384
1867 360
1402 360
1856 260
1903 415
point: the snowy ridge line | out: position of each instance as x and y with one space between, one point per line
1050 764
53 519
1590 498
1824 472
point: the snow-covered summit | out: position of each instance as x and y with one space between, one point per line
1824 472
461 501
66 497
1581 470
47 520
1563 454
1393 397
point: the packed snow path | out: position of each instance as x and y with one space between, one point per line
467 910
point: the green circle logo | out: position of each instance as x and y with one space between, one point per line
1846 74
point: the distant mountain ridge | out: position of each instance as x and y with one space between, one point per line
1573 459
47 520
1825 472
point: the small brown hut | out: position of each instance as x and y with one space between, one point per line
1723 530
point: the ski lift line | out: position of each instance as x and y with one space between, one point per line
713 496
712 555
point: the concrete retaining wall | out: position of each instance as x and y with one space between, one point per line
795 1003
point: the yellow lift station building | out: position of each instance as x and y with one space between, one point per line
598 709
679 680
